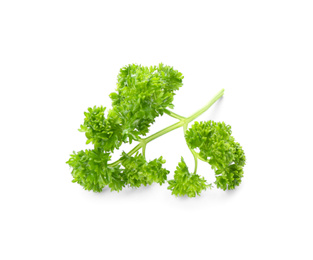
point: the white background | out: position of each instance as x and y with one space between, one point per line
57 58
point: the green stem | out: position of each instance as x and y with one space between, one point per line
200 158
183 121
134 150
172 114
144 151
164 131
192 151
207 106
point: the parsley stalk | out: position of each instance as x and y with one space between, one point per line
183 122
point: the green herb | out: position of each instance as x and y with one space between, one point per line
143 94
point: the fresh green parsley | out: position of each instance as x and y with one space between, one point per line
142 94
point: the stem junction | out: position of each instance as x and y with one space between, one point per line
183 122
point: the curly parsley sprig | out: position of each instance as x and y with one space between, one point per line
142 95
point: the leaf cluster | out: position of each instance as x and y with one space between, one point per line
142 94
102 132
137 171
218 147
91 170
186 183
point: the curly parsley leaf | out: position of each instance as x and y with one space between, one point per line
103 132
186 183
142 95
91 170
219 149
137 171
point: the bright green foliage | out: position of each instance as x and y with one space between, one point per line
226 156
102 132
91 170
186 183
142 94
137 171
